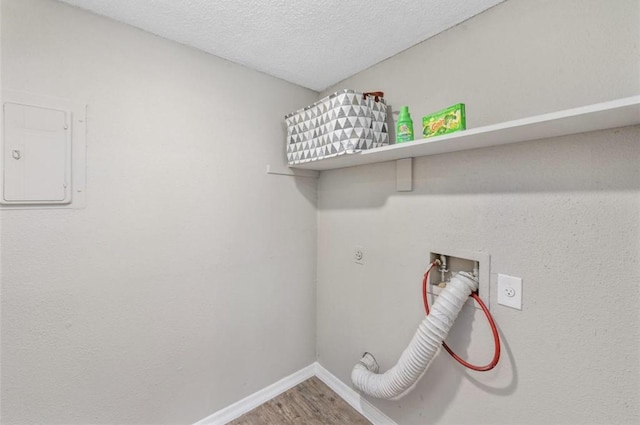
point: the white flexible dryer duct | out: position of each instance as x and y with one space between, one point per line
401 378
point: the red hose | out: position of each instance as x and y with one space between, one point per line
492 323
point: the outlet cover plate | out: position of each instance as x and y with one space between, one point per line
510 291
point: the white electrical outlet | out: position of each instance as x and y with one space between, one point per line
358 254
510 291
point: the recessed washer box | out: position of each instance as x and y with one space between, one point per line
461 260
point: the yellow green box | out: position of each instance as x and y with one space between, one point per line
445 121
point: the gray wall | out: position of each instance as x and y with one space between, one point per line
563 214
187 283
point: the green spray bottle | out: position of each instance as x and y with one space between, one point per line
404 129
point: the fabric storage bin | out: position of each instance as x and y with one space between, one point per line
344 122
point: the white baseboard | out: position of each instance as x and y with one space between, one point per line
352 397
243 406
348 394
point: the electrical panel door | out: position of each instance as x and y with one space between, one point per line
36 155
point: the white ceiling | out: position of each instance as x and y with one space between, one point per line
313 43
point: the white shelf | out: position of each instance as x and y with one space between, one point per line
600 116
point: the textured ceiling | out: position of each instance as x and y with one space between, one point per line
312 43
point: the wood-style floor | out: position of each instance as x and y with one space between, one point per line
309 403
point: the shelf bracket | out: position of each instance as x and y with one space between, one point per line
404 175
286 171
